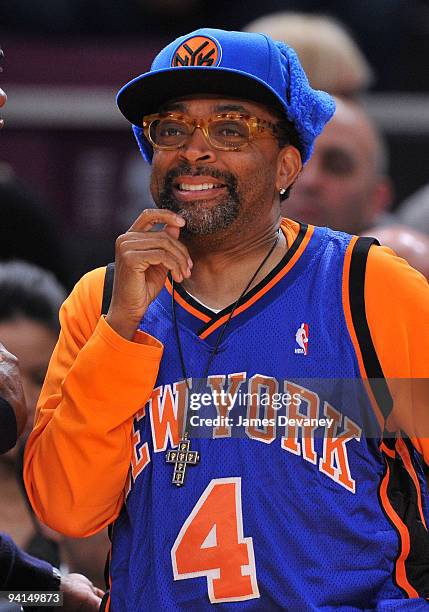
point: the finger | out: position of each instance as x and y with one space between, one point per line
174 232
162 236
5 355
152 216
151 242
91 603
156 257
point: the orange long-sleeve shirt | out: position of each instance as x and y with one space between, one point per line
79 452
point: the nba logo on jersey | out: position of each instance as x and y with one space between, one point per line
301 338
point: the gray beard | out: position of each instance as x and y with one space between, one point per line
199 219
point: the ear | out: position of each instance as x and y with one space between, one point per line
289 165
382 197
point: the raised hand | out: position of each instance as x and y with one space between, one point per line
142 261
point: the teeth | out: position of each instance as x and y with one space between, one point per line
202 187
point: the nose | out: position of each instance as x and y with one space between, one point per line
197 148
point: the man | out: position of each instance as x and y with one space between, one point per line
345 184
179 415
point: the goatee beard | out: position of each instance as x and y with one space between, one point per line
201 220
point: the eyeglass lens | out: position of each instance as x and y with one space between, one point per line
223 132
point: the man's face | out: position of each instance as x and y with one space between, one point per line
214 189
340 185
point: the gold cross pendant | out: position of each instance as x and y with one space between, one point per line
182 457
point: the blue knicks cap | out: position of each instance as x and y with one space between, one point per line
232 64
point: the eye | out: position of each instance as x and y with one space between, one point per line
171 129
168 132
230 130
338 163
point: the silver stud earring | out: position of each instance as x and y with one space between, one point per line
282 191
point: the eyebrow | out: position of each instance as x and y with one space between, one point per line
230 108
173 106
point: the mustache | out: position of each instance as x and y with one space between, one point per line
185 170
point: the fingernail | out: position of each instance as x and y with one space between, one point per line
180 220
190 262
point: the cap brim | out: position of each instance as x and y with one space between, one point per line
147 93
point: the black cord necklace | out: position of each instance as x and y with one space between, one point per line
183 456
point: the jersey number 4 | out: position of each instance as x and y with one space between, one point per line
211 544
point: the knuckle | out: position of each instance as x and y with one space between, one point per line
128 258
118 242
163 240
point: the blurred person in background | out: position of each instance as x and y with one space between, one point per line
345 184
30 299
329 55
407 242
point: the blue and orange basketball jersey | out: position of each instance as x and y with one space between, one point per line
294 497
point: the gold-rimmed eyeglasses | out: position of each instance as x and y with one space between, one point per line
227 131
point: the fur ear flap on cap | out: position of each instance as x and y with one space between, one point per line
144 146
307 108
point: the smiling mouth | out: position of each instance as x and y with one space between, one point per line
198 187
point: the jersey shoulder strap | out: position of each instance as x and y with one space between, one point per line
370 359
108 288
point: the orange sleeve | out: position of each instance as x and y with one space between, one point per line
78 454
397 310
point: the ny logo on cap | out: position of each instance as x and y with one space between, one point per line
197 51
